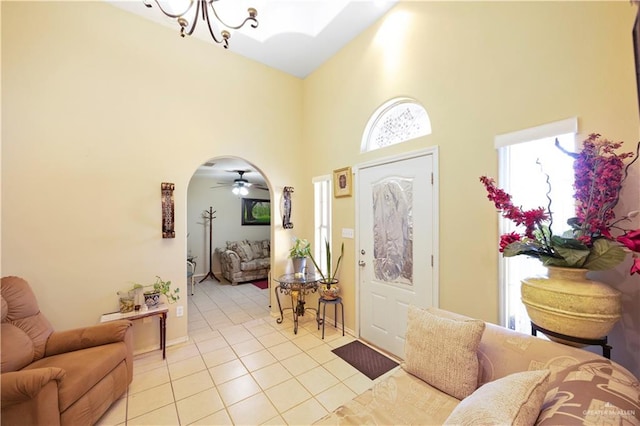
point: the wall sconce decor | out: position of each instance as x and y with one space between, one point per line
168 230
286 207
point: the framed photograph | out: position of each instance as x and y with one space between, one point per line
342 182
256 211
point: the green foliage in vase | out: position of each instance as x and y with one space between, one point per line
301 248
329 277
162 287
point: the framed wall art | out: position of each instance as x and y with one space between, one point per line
342 182
256 211
285 207
168 230
636 48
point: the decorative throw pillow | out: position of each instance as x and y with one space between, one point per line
443 351
596 391
515 399
244 252
266 250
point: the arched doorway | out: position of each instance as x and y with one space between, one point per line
226 186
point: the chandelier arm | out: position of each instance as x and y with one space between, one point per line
224 40
252 17
167 13
187 28
183 22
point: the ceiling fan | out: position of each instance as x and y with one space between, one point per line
240 185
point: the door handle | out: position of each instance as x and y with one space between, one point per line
362 263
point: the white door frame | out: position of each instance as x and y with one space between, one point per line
436 219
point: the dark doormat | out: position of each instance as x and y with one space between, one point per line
368 361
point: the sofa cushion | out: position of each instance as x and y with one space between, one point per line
260 248
243 249
255 264
83 368
399 399
24 313
512 400
17 348
443 351
5 308
592 392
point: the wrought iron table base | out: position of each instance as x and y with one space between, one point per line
297 302
606 349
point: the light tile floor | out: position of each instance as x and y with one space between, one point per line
240 367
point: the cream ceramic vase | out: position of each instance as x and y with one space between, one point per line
566 302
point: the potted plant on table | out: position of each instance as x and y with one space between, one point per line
329 289
298 253
565 301
153 291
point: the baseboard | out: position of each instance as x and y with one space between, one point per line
156 348
347 330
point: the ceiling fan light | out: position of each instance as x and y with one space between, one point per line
244 191
235 190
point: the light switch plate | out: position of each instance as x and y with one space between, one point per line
347 232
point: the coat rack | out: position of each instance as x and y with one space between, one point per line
209 216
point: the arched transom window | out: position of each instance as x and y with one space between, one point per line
398 120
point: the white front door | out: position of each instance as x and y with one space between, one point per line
397 242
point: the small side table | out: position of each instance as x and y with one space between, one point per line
297 287
160 311
335 302
606 349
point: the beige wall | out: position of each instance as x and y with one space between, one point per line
480 69
100 107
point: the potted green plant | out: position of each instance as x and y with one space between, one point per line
329 288
298 253
153 291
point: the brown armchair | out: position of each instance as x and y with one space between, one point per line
56 378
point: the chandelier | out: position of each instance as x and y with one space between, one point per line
203 8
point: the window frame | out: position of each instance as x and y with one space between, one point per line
322 205
545 131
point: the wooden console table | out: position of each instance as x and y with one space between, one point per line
160 311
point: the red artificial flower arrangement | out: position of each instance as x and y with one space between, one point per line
597 240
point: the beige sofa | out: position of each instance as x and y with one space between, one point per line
461 371
242 261
58 377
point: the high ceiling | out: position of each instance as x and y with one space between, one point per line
294 36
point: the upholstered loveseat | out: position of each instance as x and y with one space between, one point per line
460 371
58 377
245 260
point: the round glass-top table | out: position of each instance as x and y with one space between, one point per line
297 286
